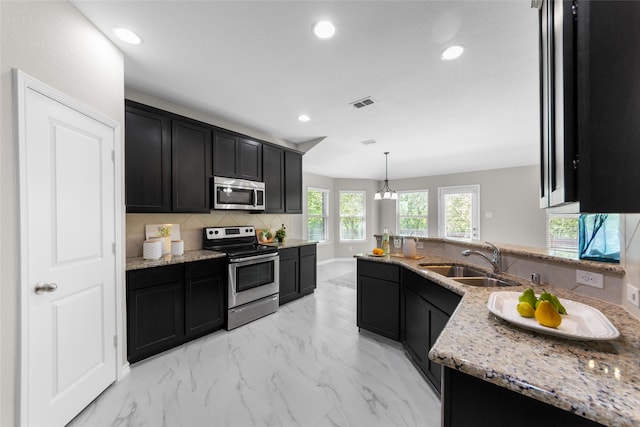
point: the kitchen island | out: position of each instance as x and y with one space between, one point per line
599 381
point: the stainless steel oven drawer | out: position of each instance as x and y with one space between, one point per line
249 312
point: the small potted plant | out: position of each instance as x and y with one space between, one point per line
266 236
281 233
165 232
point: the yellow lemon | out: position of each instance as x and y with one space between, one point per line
547 315
525 309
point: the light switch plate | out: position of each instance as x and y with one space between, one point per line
590 279
633 295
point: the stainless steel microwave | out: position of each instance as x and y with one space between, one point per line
237 194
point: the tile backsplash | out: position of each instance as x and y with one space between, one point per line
191 226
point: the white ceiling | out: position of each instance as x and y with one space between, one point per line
257 63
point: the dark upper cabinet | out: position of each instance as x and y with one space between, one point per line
237 157
168 161
283 179
273 172
590 97
192 168
293 181
147 160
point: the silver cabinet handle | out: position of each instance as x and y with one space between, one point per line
43 287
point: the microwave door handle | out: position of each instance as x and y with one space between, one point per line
255 197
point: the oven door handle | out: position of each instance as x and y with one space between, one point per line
254 258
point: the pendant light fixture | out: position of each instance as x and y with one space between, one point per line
385 193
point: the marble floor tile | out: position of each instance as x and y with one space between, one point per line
305 365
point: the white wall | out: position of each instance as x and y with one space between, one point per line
54 43
510 194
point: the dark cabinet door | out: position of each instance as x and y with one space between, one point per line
608 105
191 166
307 269
155 311
224 155
147 161
289 274
273 173
378 292
249 159
437 321
416 328
205 286
293 182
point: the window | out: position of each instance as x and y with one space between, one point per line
413 208
317 214
459 212
352 215
562 232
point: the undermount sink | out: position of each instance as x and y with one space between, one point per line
467 275
485 282
453 270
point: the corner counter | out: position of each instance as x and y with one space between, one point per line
291 243
139 263
598 380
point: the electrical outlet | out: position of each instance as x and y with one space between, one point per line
419 245
633 295
590 279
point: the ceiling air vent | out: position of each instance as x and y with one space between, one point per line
362 102
368 142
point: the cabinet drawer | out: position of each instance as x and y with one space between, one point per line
307 250
288 253
209 267
138 279
435 294
379 270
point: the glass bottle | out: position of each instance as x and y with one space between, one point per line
385 241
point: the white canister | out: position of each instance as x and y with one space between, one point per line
152 249
177 247
409 247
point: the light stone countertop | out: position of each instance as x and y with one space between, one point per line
139 263
599 380
291 243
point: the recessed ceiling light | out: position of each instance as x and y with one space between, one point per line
452 52
324 29
127 36
304 118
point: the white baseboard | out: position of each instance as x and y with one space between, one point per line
329 261
124 371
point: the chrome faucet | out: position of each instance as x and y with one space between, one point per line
496 262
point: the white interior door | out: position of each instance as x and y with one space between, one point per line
68 274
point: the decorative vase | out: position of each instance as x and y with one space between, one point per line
152 249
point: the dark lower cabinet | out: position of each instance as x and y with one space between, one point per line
470 401
155 310
298 273
425 310
170 305
204 290
378 293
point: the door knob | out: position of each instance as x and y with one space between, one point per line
45 287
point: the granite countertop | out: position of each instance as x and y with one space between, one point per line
292 243
139 263
599 380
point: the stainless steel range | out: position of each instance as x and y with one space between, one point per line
253 273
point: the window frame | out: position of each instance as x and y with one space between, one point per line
398 216
326 197
474 189
364 216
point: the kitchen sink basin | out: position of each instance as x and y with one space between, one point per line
484 282
453 270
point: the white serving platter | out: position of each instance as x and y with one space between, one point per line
581 323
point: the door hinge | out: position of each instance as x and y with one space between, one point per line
574 9
113 155
115 341
113 248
